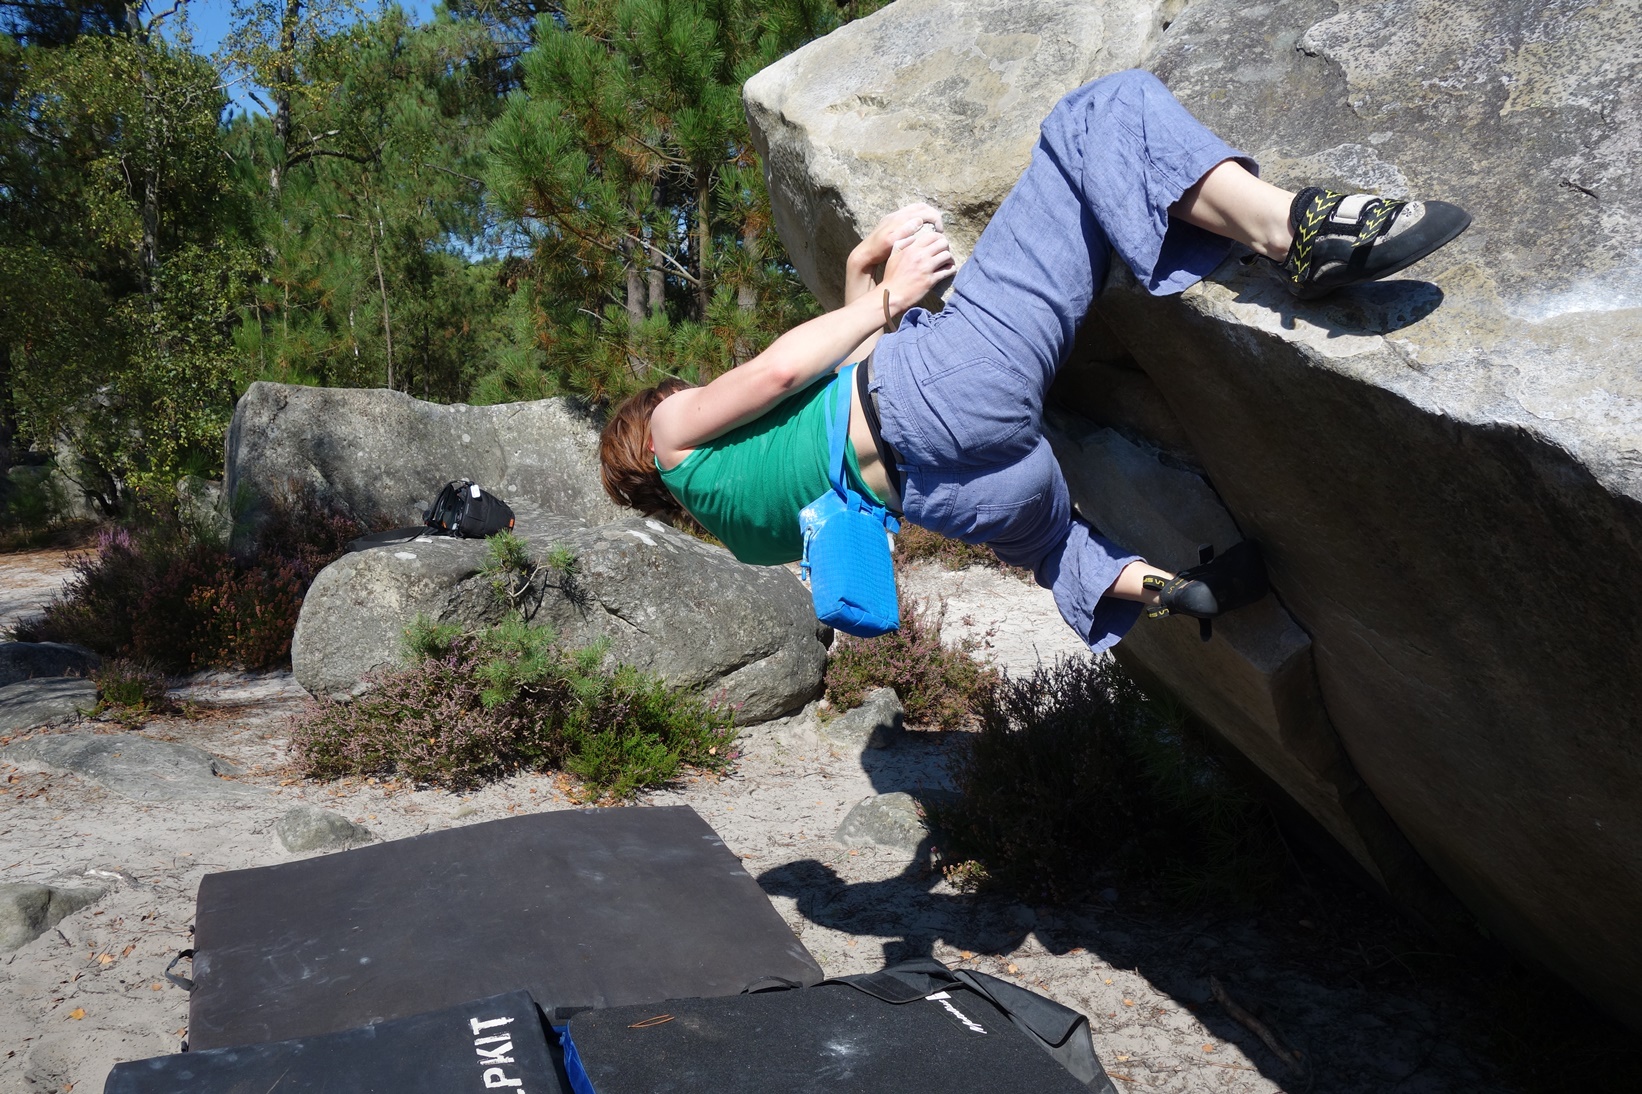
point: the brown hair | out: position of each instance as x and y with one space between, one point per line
627 466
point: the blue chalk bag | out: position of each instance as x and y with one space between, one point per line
846 546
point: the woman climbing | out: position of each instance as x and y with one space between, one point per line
945 414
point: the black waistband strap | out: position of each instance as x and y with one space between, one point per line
869 406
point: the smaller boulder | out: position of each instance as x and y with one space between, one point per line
887 820
665 602
876 723
28 910
30 660
306 828
29 704
135 766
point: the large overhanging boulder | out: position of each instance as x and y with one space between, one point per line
667 603
381 454
1443 468
927 100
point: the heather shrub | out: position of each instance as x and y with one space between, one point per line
915 544
180 600
937 684
130 690
1075 771
470 708
306 535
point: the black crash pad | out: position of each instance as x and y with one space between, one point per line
826 1039
582 908
497 1044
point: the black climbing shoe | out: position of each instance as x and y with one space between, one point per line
1217 585
1341 239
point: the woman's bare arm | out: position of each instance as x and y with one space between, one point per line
697 415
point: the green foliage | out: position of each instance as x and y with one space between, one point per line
938 685
29 498
1075 771
365 180
512 571
425 639
506 553
561 560
118 257
130 691
470 708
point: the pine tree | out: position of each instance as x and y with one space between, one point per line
626 163
370 223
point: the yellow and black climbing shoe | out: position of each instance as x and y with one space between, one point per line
1217 585
1341 239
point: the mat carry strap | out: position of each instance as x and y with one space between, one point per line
1057 1029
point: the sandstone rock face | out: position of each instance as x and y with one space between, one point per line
51 700
928 100
668 603
1443 467
382 453
1256 682
135 766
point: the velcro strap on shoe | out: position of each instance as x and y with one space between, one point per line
1376 219
1312 215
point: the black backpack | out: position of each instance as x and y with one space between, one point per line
465 509
462 509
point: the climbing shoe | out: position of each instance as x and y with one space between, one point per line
1341 239
1218 584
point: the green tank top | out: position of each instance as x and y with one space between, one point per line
747 486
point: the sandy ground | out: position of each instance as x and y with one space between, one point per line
1361 1014
28 579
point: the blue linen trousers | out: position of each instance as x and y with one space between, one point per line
961 391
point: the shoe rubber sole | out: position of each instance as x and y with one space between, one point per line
1313 291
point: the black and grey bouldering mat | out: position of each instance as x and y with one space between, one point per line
498 1044
582 908
917 1026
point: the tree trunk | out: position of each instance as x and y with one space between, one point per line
284 74
746 295
635 286
658 291
148 250
704 237
8 409
632 259
657 274
382 286
149 256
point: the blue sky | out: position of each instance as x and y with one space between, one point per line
209 20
